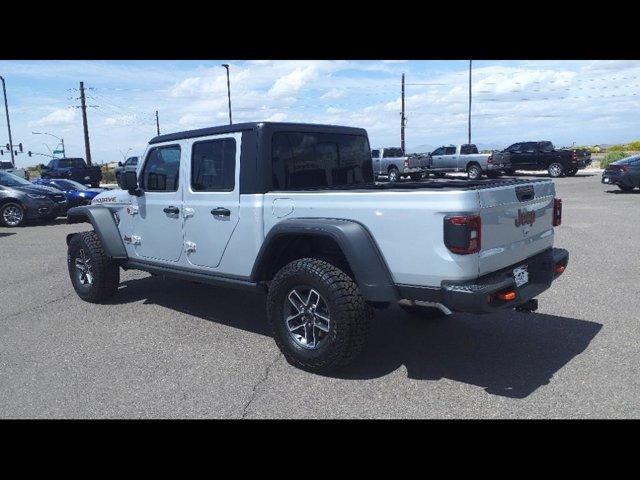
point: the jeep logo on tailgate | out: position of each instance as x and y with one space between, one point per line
525 218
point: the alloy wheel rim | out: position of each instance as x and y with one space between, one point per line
473 173
307 317
12 215
555 169
84 271
393 176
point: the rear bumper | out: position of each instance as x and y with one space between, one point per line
477 296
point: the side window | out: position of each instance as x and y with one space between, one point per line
450 150
515 148
530 147
79 163
438 151
213 165
161 169
546 146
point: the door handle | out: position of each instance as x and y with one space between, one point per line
221 212
172 210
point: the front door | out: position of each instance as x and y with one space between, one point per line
211 198
157 225
529 156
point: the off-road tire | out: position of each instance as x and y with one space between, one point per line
350 315
105 272
571 172
394 175
474 172
13 206
556 170
423 312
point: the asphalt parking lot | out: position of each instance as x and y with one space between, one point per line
176 349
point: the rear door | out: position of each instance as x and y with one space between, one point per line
157 225
517 222
211 198
450 158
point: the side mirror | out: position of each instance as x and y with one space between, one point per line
130 183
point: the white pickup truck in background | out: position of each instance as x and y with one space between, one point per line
463 158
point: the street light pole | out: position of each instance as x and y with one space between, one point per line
470 62
64 153
6 109
226 66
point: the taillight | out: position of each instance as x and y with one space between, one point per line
557 212
406 163
624 168
462 233
574 156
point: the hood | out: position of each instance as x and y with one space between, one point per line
35 189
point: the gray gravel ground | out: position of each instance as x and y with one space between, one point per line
177 349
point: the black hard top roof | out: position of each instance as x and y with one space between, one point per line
239 127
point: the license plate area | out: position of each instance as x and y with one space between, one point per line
521 275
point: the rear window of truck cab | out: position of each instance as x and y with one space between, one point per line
306 160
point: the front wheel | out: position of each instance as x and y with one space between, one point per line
318 317
95 277
12 215
555 170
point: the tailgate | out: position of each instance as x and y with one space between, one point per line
517 222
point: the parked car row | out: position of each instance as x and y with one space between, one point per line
44 199
392 164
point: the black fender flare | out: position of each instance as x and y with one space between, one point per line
101 218
363 255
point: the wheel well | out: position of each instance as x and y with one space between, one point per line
392 167
292 247
9 200
473 163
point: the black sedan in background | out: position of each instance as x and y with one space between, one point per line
624 173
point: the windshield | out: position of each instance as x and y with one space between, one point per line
11 180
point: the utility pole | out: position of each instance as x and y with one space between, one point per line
83 106
6 109
402 119
157 123
226 66
470 62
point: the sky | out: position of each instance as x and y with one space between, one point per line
586 102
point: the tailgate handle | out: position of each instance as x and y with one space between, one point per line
524 193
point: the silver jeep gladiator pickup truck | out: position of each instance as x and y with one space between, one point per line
293 210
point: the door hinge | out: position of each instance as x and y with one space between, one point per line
132 239
189 247
188 212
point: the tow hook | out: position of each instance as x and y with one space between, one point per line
528 306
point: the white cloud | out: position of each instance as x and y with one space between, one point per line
57 118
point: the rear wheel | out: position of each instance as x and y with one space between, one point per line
12 215
571 172
555 170
95 277
318 318
394 174
474 172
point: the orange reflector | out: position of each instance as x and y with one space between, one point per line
560 268
506 296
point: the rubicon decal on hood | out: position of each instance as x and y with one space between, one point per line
525 218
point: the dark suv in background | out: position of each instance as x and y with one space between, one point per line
20 200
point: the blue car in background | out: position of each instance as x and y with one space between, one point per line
77 193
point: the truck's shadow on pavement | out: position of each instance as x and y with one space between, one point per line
509 354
